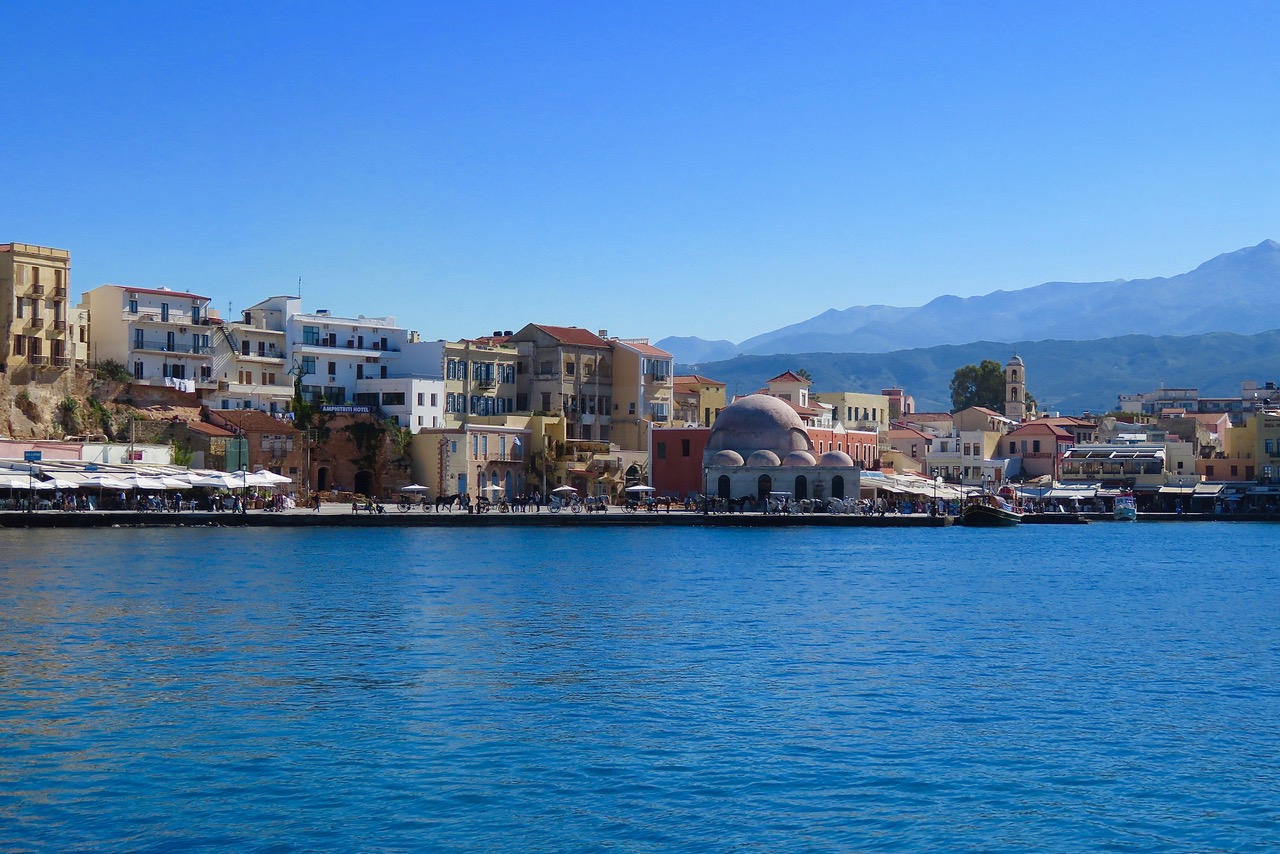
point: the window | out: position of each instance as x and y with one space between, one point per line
22 302
19 345
133 306
393 398
435 400
422 398
164 312
660 448
684 448
311 335
308 365
359 372
1208 471
195 314
631 408
1035 446
484 445
137 370
1013 447
568 368
244 348
333 368
170 341
206 373
382 373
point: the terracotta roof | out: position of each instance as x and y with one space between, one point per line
789 377
252 421
208 429
901 432
698 379
647 349
1041 427
572 335
160 291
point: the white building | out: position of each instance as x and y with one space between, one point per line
334 353
414 402
159 335
250 366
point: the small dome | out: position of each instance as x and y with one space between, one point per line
798 458
1016 360
836 458
763 458
725 458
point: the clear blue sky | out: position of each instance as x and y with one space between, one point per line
712 169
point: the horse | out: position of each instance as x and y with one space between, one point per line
447 502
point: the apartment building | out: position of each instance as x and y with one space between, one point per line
854 410
334 353
40 328
570 372
250 367
161 336
643 391
697 400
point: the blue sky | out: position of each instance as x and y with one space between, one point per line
653 168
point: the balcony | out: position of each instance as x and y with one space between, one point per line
36 322
346 347
36 290
38 359
158 346
270 355
60 325
62 361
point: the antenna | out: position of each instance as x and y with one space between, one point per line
299 287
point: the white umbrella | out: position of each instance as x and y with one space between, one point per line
13 482
60 483
269 477
226 480
105 480
565 488
413 487
138 481
175 483
639 488
39 484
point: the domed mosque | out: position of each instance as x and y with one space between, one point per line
759 446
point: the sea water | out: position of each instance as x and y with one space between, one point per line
1040 688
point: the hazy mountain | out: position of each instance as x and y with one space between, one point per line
1069 376
1235 292
693 349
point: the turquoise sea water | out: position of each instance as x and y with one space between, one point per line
1045 688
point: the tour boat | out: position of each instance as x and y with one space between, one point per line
989 511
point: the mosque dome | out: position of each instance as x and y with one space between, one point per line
836 458
763 458
725 458
758 422
798 458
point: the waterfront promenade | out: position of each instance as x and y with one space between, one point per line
340 515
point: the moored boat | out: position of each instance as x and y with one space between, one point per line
989 511
1126 508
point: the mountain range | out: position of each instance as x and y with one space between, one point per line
1235 292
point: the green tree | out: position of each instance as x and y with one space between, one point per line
802 372
978 385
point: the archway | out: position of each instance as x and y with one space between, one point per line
801 487
819 490
763 487
363 483
837 487
322 478
723 489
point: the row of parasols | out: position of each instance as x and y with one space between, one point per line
158 482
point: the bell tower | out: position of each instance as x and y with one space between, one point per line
1015 389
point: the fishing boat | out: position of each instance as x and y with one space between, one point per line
1126 508
989 511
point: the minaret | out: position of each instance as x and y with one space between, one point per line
1015 389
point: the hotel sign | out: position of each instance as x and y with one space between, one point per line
337 409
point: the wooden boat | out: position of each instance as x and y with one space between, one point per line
989 511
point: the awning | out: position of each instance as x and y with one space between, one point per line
1177 490
1207 489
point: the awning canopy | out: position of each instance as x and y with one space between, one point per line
1177 490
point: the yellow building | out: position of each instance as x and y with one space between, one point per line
480 380
698 400
40 326
855 411
643 391
1256 444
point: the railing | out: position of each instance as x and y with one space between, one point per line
37 290
163 347
60 325
486 383
268 354
60 291
37 322
38 359
62 361
336 346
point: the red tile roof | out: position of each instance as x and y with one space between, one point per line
573 336
208 429
697 379
648 349
789 377
252 421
